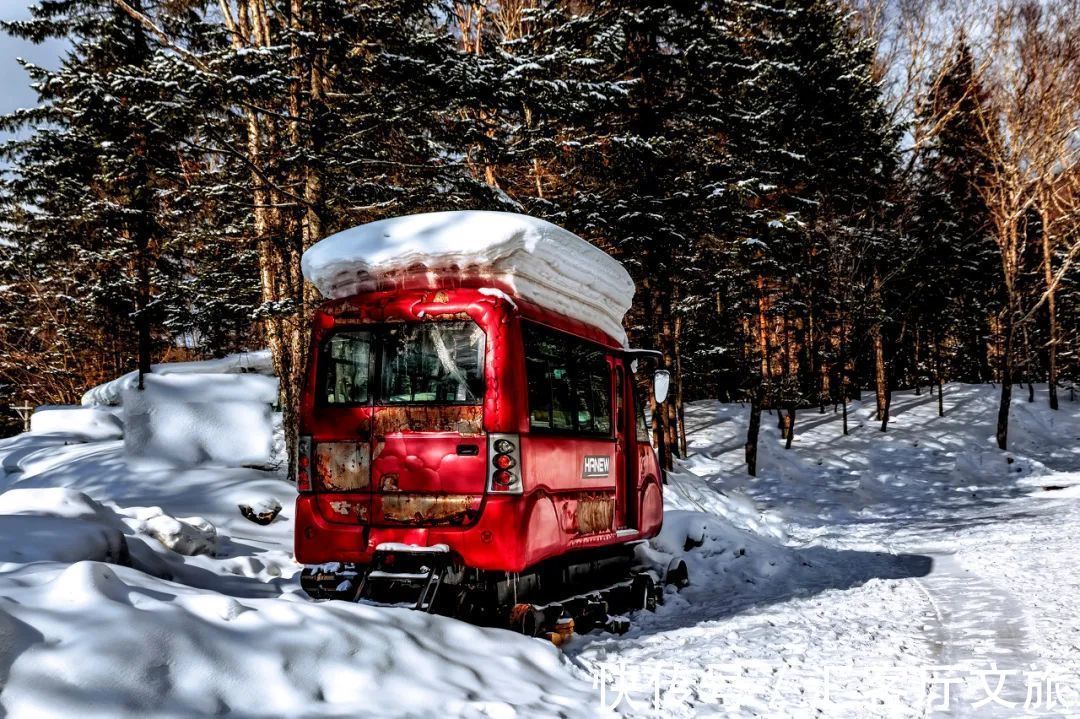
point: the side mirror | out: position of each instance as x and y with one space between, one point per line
661 379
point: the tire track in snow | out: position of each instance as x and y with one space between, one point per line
980 627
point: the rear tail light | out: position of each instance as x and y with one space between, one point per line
505 472
303 465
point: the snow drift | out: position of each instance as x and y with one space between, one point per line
192 419
90 423
181 634
532 258
96 640
57 525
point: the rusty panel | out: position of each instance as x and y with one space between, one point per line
449 316
465 420
427 509
594 513
342 466
344 509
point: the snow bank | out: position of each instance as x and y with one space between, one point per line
57 525
690 492
96 640
52 502
532 258
31 538
91 423
193 419
110 393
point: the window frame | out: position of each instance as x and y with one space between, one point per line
378 370
322 367
569 341
375 380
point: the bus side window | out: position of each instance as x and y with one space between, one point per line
594 380
548 375
539 392
561 407
569 383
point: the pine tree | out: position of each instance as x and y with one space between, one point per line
93 192
321 115
608 118
817 157
957 278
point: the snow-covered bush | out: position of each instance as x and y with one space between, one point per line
188 535
111 392
195 419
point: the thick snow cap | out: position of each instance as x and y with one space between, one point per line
532 258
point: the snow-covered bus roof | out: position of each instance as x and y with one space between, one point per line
531 258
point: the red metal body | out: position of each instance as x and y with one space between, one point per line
422 474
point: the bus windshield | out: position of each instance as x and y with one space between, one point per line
429 363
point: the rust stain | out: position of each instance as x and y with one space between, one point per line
342 466
345 307
594 513
440 298
388 483
465 420
421 509
350 509
449 316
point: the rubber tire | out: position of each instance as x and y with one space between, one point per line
677 574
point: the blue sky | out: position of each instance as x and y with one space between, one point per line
15 88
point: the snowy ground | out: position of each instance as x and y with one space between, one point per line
857 576
941 578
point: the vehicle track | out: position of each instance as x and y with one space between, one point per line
981 641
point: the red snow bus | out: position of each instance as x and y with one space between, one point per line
458 436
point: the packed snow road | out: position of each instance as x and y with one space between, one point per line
975 614
919 572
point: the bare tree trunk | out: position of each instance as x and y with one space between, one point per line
986 371
938 377
754 429
845 419
142 317
1027 362
880 379
824 390
843 362
752 432
918 378
1051 318
663 433
679 407
885 410
1006 379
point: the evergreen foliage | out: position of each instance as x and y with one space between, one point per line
788 248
